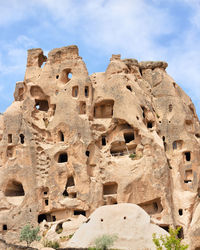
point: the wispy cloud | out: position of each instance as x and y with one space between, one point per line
15 54
142 29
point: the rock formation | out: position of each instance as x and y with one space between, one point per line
71 143
127 222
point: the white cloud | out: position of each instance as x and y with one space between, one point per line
13 11
15 55
130 27
114 24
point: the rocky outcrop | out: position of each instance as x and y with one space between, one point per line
71 143
127 222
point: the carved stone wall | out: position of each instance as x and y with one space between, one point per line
71 142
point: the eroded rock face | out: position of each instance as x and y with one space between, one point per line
71 143
127 223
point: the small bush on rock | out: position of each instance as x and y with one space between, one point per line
52 244
132 156
169 242
105 241
29 234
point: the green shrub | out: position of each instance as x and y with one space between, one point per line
132 156
169 242
71 235
52 244
29 234
105 241
59 231
63 238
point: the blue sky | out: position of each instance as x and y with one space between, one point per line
167 30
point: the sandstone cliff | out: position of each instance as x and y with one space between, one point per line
71 143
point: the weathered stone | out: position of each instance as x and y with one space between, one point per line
128 223
71 143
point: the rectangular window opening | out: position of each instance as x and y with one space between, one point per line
103 140
82 108
86 91
78 212
9 138
75 91
187 156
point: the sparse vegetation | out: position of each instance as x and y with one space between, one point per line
45 232
59 231
71 235
132 156
29 234
52 244
169 242
104 242
65 238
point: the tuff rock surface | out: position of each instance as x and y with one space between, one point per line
127 223
71 143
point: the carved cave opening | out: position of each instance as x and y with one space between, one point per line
187 156
61 136
21 138
46 217
118 151
197 136
104 109
129 136
149 124
78 212
152 206
143 111
70 183
66 75
180 233
103 140
87 153
165 227
177 144
42 105
82 108
110 188
86 91
14 188
170 107
174 145
10 151
63 157
75 91
180 211
59 228
188 176
129 88
9 138
45 191
198 192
